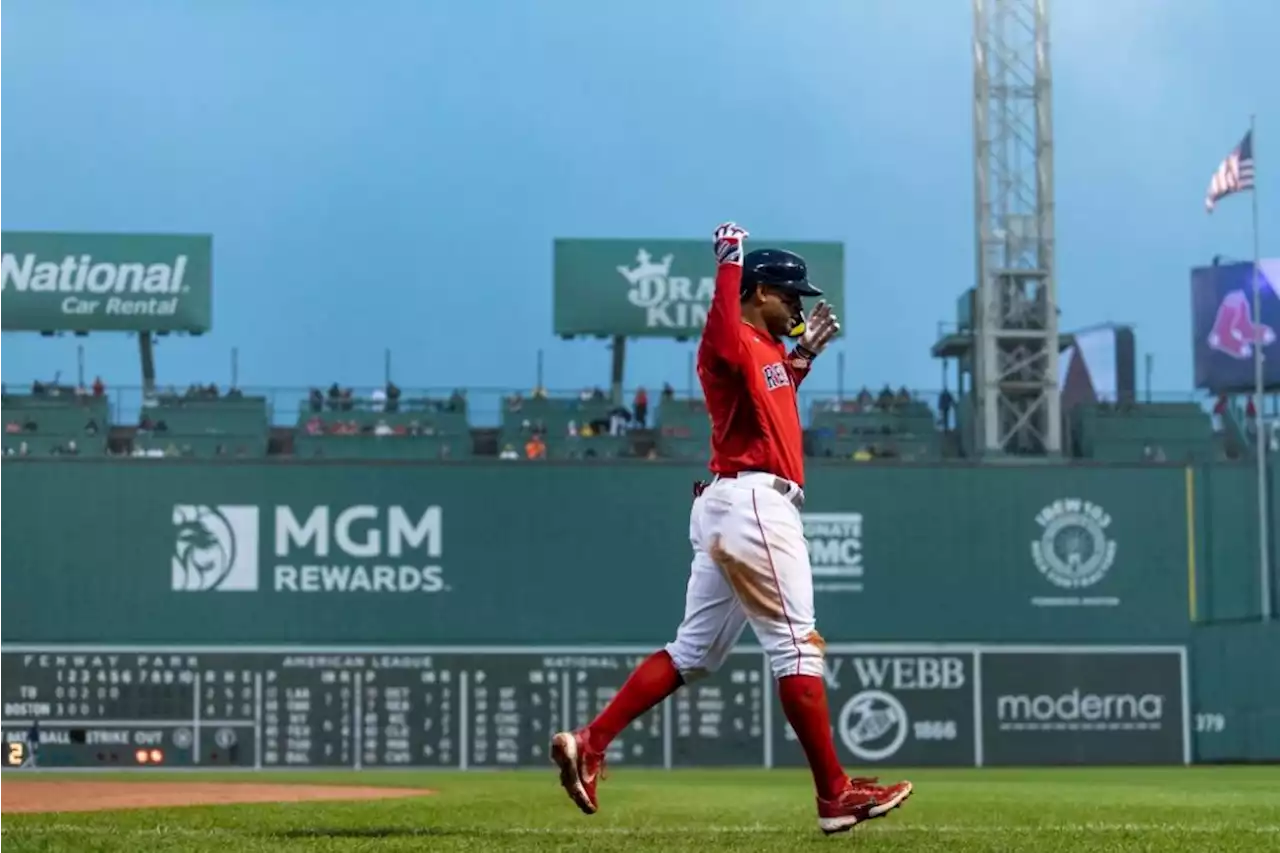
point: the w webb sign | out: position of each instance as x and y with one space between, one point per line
106 282
660 288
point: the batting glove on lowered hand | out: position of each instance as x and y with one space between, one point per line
821 326
728 240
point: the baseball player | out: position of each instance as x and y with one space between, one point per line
750 562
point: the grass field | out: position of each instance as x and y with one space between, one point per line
1217 810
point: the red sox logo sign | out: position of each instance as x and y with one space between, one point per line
1234 332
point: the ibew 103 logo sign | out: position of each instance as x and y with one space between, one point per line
1074 551
835 550
360 548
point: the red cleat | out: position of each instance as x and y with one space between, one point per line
581 768
861 800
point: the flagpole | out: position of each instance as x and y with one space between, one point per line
1260 437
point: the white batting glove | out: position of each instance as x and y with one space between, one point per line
728 242
819 329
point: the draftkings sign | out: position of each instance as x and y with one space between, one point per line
661 288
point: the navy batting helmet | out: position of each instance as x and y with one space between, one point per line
776 268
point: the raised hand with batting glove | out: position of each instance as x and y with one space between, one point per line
821 327
729 238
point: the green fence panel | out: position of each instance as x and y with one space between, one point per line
1228 553
1013 553
1236 692
496 552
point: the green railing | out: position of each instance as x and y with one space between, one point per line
485 405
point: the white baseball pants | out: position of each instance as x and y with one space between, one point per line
750 564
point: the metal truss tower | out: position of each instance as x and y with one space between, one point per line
1017 401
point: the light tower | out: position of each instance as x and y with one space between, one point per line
1016 399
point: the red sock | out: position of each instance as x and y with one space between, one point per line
804 700
652 681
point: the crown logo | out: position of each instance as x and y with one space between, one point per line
646 267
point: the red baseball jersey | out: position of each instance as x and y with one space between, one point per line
750 385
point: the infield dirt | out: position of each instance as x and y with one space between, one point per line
31 795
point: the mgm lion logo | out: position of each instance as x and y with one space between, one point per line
215 548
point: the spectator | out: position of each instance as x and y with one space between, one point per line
885 401
865 400
81 390
379 400
1219 412
315 426
904 396
573 429
335 396
382 428
619 417
316 400
29 425
348 402
585 395
234 394
23 449
640 406
211 391
516 401
535 447
12 427
945 405
70 448
457 401
393 397
508 452
597 394
668 393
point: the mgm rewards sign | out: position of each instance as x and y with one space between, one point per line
106 282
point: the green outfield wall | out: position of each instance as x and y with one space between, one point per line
158 551
186 604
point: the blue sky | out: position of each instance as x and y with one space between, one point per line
392 174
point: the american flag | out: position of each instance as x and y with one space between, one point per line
1234 175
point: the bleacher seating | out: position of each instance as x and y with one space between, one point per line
64 423
55 420
906 430
203 426
426 431
562 422
1143 432
684 429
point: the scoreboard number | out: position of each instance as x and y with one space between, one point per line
15 753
